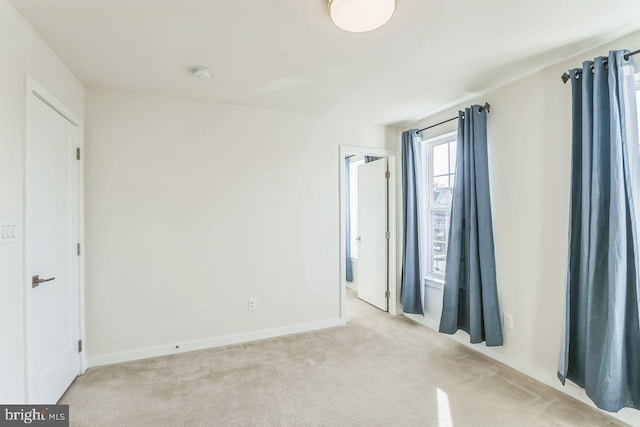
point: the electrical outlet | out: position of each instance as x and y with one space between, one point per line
508 321
253 304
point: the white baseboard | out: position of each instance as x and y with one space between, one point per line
629 416
184 347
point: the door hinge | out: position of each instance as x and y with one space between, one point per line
78 247
387 174
387 235
78 153
79 346
387 295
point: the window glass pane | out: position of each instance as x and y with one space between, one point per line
440 177
441 192
440 160
439 234
453 146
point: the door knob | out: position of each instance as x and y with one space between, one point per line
36 280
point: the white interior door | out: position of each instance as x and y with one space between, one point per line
372 232
52 173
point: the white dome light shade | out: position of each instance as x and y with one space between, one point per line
358 16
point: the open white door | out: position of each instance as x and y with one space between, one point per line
52 212
372 232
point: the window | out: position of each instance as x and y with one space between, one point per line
439 158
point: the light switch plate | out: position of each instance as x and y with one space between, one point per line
9 232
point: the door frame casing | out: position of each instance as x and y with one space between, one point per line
393 160
33 91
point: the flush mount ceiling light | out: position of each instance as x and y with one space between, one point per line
358 16
201 73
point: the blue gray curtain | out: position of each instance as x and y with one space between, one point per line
470 291
412 292
600 348
347 220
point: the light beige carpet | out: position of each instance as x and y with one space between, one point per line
376 371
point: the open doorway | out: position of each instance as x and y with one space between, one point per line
368 227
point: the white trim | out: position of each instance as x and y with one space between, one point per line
435 283
393 164
33 88
441 138
207 343
527 369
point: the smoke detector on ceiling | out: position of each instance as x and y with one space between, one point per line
201 73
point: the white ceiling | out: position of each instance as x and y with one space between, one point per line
287 55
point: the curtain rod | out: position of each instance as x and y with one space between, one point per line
486 106
565 76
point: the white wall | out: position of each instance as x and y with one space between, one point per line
193 207
529 155
23 52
